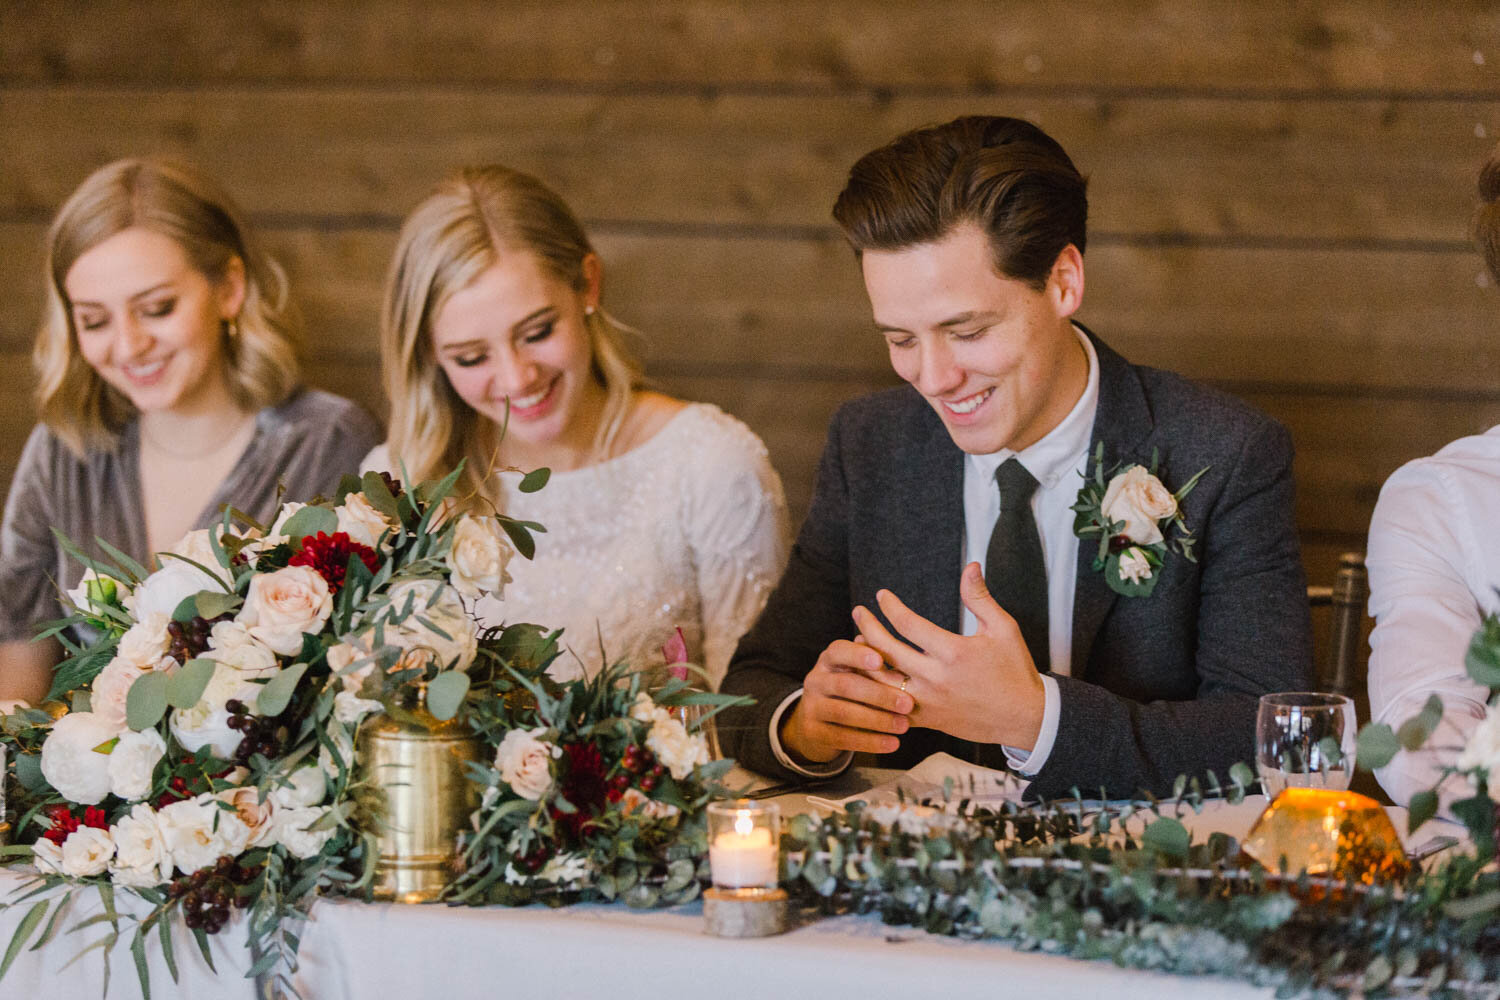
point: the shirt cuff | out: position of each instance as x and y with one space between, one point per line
1028 764
784 757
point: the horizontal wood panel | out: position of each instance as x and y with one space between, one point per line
961 44
1393 322
1304 169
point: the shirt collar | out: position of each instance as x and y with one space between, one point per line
1058 453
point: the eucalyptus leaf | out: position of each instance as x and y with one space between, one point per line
309 521
277 693
146 701
29 773
379 495
1166 836
535 480
1423 807
212 604
186 686
445 693
23 933
1376 746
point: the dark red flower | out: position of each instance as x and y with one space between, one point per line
95 817
63 823
328 556
584 786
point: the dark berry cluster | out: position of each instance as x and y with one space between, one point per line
189 639
640 768
258 734
533 860
207 895
391 483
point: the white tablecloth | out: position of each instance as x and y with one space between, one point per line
359 950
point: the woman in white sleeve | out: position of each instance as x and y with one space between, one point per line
1434 559
659 513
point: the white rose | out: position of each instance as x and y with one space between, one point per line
1134 566
278 526
141 856
283 605
349 707
1139 499
1482 752
291 830
206 724
195 545
343 656
643 709
307 786
87 852
421 644
478 557
231 643
133 761
47 857
146 641
189 832
247 822
675 748
523 762
362 522
175 582
94 591
71 764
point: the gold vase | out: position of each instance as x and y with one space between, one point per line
426 798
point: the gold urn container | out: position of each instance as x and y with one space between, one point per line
423 802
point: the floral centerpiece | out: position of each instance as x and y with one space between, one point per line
202 750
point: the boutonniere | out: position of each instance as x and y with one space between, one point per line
1131 512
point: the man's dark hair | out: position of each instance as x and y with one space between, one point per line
1003 174
1487 219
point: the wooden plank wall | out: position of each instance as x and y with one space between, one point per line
1281 190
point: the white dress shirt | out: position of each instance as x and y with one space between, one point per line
1434 560
1057 462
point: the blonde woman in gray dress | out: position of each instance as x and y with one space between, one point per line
659 513
168 386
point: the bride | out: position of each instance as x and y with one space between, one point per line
496 352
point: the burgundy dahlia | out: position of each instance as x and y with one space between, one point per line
584 786
328 556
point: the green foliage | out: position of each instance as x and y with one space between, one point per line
146 702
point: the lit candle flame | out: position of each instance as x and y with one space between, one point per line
743 824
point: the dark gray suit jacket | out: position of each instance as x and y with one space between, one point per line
1161 685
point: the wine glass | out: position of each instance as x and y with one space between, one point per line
1304 739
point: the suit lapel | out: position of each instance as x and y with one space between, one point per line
933 538
1122 422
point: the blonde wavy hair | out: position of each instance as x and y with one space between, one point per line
180 202
457 233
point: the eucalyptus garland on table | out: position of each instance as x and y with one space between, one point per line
200 749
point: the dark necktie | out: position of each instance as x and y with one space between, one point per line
1013 566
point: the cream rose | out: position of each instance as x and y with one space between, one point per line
255 816
478 556
231 643
141 858
440 605
362 522
1139 499
675 748
111 688
634 800
146 641
1134 566
87 852
306 786
523 761
133 761
190 831
278 526
206 724
70 762
283 605
342 657
195 545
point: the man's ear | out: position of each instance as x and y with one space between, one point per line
1065 283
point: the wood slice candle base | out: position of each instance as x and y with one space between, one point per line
745 913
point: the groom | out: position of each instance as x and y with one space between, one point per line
938 598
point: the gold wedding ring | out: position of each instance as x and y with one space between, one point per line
904 681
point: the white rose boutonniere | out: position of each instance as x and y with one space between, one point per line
1131 512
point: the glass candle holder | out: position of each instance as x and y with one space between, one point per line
743 840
